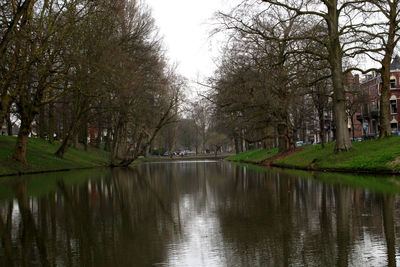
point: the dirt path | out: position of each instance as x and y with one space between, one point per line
270 161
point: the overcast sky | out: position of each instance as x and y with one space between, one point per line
185 26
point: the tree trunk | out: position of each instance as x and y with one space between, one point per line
290 134
9 125
64 120
51 123
107 143
238 144
285 137
74 139
115 146
322 132
22 139
63 148
4 107
385 129
83 134
283 144
339 98
71 134
42 124
99 136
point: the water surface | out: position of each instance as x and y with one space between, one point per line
208 213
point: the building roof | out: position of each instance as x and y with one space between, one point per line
395 65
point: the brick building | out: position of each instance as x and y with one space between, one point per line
368 117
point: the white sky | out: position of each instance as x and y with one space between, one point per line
185 26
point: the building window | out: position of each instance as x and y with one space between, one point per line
393 126
374 106
374 127
393 106
392 83
365 109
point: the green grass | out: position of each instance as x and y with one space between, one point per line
38 185
387 184
255 156
40 156
371 155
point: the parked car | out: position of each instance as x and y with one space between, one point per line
299 143
189 152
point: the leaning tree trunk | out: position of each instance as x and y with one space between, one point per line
83 134
69 135
63 148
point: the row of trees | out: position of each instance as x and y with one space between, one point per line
197 130
287 62
70 64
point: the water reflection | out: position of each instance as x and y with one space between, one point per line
196 214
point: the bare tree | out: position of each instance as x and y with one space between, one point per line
329 13
381 31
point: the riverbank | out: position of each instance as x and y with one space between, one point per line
371 156
40 156
175 158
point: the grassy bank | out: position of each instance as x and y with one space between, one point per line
38 185
366 156
40 156
375 183
254 156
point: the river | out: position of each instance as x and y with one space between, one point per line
199 213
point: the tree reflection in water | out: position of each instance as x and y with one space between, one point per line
221 213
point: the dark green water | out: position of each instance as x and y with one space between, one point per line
199 214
